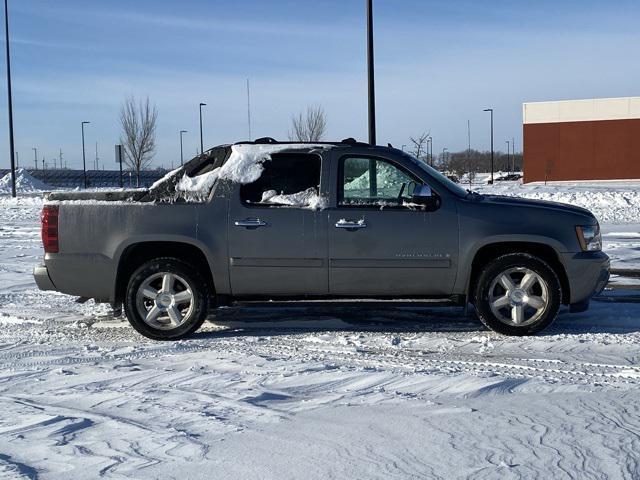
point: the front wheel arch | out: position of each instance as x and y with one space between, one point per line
546 253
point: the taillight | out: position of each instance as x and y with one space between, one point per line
50 228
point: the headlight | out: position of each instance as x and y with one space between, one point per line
589 238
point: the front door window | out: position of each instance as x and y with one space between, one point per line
375 182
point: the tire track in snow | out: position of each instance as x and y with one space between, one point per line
369 356
414 361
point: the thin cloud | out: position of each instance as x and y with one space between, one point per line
32 42
234 26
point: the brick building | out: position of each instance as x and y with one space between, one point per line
596 139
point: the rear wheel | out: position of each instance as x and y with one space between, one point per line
166 299
517 294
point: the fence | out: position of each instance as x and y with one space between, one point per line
95 178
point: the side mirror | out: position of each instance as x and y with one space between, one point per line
422 191
423 195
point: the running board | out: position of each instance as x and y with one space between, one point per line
351 303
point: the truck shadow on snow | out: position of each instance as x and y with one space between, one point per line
247 321
285 320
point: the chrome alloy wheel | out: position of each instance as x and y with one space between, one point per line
518 297
164 301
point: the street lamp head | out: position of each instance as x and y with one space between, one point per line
183 131
85 123
488 110
202 104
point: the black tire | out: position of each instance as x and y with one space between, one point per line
485 288
185 273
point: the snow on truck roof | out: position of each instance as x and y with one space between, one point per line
260 149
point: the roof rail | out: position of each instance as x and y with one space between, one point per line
265 140
353 142
272 141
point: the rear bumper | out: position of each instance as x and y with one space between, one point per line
81 275
41 275
588 274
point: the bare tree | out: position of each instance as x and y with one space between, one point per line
310 126
138 123
463 161
548 170
420 147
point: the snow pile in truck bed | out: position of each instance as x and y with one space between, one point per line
166 177
387 176
25 182
243 166
389 181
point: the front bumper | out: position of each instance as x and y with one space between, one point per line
41 275
588 274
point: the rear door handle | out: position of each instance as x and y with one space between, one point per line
351 225
250 223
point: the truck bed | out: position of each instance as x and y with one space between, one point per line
127 195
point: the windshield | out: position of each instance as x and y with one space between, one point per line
443 179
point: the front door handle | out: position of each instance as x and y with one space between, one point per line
250 223
351 225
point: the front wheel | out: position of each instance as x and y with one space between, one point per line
517 294
166 299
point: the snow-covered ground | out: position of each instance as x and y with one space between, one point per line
391 391
612 203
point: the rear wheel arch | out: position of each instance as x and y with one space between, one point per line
492 251
135 255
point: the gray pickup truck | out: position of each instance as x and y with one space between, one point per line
273 220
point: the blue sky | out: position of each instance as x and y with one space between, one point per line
439 63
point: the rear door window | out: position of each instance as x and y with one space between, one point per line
288 180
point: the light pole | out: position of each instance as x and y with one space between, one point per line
508 153
35 157
84 160
430 150
444 151
201 140
371 74
249 108
513 157
10 100
491 110
182 132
